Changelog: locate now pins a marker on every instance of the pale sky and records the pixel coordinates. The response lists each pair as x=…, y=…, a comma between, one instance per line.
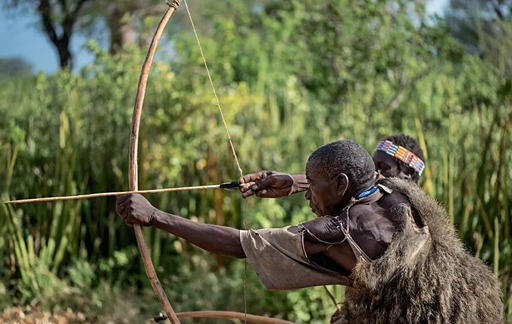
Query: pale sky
x=19, y=37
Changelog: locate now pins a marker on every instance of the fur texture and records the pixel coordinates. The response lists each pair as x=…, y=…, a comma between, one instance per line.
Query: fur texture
x=425, y=276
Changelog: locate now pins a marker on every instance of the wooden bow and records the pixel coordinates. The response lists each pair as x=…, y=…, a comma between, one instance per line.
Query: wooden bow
x=133, y=184
x=133, y=170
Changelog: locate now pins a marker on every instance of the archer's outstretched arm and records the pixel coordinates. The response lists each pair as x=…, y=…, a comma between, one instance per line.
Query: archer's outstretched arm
x=223, y=240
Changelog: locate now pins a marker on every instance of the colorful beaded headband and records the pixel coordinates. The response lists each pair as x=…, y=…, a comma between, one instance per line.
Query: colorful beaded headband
x=403, y=154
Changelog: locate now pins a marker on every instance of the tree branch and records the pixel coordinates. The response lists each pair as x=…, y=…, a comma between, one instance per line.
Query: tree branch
x=46, y=18
x=71, y=18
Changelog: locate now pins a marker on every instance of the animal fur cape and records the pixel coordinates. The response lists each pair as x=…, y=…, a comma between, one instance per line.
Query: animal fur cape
x=425, y=276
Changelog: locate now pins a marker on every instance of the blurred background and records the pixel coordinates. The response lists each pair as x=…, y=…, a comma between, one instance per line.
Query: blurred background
x=291, y=75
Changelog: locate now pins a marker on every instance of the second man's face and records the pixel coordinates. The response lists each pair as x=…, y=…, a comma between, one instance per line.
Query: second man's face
x=386, y=165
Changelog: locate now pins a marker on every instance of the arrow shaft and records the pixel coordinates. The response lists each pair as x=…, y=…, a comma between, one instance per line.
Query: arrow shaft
x=109, y=194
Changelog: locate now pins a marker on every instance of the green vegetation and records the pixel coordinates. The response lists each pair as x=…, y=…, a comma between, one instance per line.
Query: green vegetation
x=13, y=67
x=291, y=76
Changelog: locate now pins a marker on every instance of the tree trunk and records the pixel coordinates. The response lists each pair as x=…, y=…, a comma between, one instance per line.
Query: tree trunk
x=121, y=29
x=65, y=56
x=60, y=16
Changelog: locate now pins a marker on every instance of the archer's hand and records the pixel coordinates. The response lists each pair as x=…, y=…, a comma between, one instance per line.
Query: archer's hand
x=267, y=184
x=135, y=209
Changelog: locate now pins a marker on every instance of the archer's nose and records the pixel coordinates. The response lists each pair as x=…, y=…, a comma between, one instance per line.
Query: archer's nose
x=307, y=195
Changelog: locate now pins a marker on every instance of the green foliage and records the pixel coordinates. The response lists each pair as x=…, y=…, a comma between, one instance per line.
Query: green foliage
x=484, y=28
x=291, y=76
x=13, y=67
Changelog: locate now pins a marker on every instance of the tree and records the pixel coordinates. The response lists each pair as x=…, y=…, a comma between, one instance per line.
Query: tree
x=61, y=19
x=469, y=20
x=127, y=21
x=58, y=19
x=122, y=21
x=332, y=46
x=484, y=27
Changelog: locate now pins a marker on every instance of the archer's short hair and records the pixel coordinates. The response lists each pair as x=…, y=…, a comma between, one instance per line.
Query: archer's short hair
x=346, y=156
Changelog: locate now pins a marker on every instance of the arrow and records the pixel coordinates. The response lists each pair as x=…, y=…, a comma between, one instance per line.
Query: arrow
x=233, y=185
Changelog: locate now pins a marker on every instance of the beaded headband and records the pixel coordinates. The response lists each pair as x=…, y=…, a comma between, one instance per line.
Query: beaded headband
x=402, y=154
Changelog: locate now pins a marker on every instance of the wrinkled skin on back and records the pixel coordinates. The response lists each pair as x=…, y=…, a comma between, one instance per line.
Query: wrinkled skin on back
x=425, y=276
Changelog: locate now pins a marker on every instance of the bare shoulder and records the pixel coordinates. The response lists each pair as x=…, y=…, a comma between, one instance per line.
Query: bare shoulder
x=386, y=203
x=386, y=209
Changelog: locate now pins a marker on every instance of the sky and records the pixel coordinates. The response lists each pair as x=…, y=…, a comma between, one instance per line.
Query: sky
x=20, y=37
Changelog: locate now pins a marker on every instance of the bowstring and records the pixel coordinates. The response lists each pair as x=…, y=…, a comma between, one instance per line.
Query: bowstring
x=229, y=138
x=213, y=89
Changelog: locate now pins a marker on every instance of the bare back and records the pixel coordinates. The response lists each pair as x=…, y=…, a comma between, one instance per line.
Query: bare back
x=370, y=225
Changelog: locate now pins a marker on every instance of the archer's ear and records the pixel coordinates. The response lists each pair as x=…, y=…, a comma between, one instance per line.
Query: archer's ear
x=342, y=183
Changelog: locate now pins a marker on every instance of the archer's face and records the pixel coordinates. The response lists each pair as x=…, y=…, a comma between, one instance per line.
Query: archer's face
x=322, y=193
